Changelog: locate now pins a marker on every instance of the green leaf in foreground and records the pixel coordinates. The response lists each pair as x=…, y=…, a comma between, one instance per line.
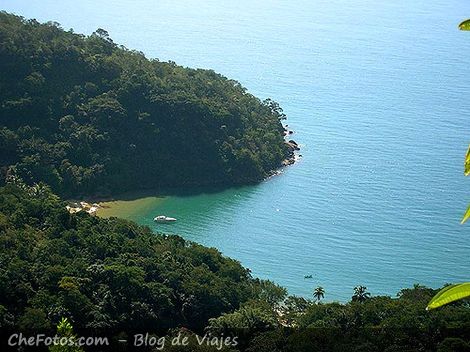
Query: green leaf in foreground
x=467, y=162
x=465, y=25
x=466, y=216
x=449, y=294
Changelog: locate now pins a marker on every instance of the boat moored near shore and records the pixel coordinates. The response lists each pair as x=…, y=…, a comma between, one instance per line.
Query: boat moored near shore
x=164, y=219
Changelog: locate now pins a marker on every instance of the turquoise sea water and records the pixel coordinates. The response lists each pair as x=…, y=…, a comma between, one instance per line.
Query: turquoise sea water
x=378, y=93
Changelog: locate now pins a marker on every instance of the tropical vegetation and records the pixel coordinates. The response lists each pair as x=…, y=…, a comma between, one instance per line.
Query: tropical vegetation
x=115, y=276
x=360, y=294
x=318, y=293
x=88, y=116
x=82, y=115
x=107, y=273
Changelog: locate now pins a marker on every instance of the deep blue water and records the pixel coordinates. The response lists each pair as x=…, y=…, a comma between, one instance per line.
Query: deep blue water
x=378, y=93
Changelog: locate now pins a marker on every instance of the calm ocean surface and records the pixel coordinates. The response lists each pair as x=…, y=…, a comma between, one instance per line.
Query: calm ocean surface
x=378, y=94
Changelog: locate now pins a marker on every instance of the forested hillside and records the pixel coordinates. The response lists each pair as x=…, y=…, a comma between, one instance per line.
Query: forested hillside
x=113, y=275
x=82, y=115
x=106, y=273
x=88, y=116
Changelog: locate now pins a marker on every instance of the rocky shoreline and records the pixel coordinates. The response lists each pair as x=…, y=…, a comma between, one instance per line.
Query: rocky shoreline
x=293, y=156
x=292, y=146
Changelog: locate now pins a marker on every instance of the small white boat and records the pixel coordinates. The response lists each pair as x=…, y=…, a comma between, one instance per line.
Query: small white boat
x=163, y=218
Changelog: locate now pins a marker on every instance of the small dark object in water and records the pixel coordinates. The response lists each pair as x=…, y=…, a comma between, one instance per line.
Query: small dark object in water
x=308, y=276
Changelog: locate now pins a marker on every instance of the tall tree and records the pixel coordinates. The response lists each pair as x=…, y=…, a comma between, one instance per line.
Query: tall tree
x=318, y=293
x=360, y=294
x=65, y=331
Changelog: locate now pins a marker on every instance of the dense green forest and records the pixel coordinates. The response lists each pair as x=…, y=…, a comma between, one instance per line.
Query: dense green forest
x=88, y=116
x=114, y=275
x=106, y=273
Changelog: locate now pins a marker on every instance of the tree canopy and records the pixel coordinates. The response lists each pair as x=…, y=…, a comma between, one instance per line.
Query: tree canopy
x=106, y=273
x=88, y=116
x=115, y=275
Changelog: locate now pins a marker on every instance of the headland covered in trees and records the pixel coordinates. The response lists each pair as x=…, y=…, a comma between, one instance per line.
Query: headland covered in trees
x=90, y=117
